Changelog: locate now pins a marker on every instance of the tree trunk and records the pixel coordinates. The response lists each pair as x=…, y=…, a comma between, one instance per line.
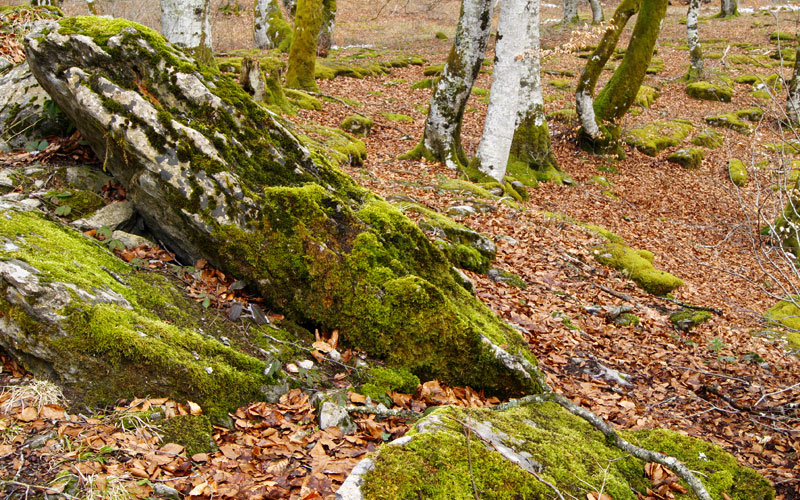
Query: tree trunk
x=93, y=9
x=251, y=79
x=729, y=8
x=584, y=92
x=501, y=116
x=531, y=157
x=597, y=11
x=185, y=23
x=620, y=92
x=793, y=101
x=53, y=3
x=441, y=140
x=695, y=52
x=325, y=38
x=570, y=12
x=303, y=52
x=291, y=8
x=271, y=30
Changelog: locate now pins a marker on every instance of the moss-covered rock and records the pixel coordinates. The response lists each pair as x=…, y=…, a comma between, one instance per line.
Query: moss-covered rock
x=638, y=266
x=708, y=138
x=751, y=114
x=737, y=171
x=357, y=125
x=709, y=91
x=657, y=136
x=627, y=319
x=382, y=380
x=688, y=319
x=785, y=313
x=397, y=117
x=687, y=157
x=193, y=432
x=435, y=461
x=782, y=36
x=434, y=70
x=75, y=203
x=333, y=67
x=788, y=54
x=217, y=176
x=731, y=121
x=303, y=100
x=561, y=83
x=646, y=96
x=425, y=83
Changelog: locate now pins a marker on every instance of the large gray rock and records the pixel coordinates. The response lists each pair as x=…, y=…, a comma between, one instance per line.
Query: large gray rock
x=73, y=313
x=26, y=111
x=215, y=175
x=117, y=215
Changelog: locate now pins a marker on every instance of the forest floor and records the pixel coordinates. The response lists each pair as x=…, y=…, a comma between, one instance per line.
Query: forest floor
x=732, y=380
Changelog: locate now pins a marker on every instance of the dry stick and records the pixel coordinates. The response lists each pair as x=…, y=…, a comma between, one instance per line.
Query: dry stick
x=382, y=412
x=35, y=487
x=348, y=106
x=776, y=392
x=714, y=310
x=712, y=374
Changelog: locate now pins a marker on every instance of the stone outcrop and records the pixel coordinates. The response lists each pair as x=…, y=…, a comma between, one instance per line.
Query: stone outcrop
x=215, y=175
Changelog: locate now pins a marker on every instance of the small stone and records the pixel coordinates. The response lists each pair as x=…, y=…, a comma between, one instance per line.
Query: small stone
x=335, y=355
x=460, y=211
x=131, y=240
x=88, y=178
x=292, y=368
x=225, y=340
x=258, y=315
x=38, y=183
x=4, y=147
x=113, y=216
x=31, y=203
x=164, y=491
x=209, y=370
x=31, y=171
x=508, y=239
x=333, y=415
x=5, y=65
x=6, y=180
x=306, y=364
x=235, y=311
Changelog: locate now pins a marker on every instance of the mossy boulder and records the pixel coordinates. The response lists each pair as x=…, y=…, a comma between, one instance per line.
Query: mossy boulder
x=785, y=313
x=73, y=313
x=687, y=157
x=708, y=91
x=382, y=380
x=425, y=83
x=528, y=450
x=638, y=266
x=731, y=121
x=357, y=125
x=217, y=176
x=397, y=117
x=737, y=171
x=708, y=138
x=561, y=83
x=657, y=136
x=646, y=96
x=330, y=68
x=433, y=70
x=303, y=100
x=688, y=319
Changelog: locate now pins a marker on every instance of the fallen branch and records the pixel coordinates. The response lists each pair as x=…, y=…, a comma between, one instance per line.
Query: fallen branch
x=382, y=412
x=27, y=486
x=714, y=310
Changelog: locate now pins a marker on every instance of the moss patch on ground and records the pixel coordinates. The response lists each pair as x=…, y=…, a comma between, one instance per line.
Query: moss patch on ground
x=730, y=121
x=638, y=266
x=688, y=319
x=708, y=138
x=657, y=136
x=687, y=157
x=383, y=380
x=786, y=313
x=708, y=91
x=193, y=432
x=737, y=172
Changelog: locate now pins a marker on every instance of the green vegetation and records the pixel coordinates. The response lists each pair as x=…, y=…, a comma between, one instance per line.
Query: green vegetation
x=383, y=380
x=193, y=432
x=687, y=157
x=737, y=172
x=638, y=266
x=657, y=136
x=646, y=96
x=708, y=138
x=397, y=117
x=708, y=91
x=688, y=319
x=357, y=125
x=786, y=314
x=731, y=121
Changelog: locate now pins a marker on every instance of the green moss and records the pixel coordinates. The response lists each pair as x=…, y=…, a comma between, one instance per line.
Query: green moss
x=751, y=114
x=303, y=50
x=737, y=172
x=331, y=68
x=627, y=319
x=788, y=54
x=657, y=136
x=687, y=157
x=397, y=117
x=783, y=36
x=303, y=100
x=785, y=313
x=708, y=91
x=383, y=380
x=688, y=319
x=731, y=121
x=646, y=96
x=425, y=83
x=441, y=35
x=761, y=94
x=437, y=464
x=637, y=268
x=563, y=115
x=479, y=91
x=193, y=432
x=434, y=69
x=561, y=83
x=509, y=278
x=81, y=203
x=656, y=66
x=708, y=138
x=357, y=125
x=467, y=187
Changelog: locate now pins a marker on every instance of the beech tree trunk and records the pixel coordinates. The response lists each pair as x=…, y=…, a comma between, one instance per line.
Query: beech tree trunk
x=597, y=11
x=501, y=117
x=186, y=24
x=54, y=3
x=695, y=52
x=325, y=37
x=270, y=28
x=531, y=157
x=92, y=4
x=793, y=101
x=570, y=12
x=584, y=92
x=441, y=140
x=729, y=8
x=303, y=52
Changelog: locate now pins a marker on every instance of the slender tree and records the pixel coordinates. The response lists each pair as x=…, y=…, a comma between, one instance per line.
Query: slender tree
x=52, y=3
x=695, y=52
x=302, y=53
x=729, y=8
x=570, y=12
x=793, y=101
x=620, y=92
x=597, y=11
x=441, y=140
x=270, y=28
x=93, y=9
x=325, y=37
x=186, y=24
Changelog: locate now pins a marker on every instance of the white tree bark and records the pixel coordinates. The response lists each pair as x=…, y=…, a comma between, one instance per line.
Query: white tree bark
x=186, y=24
x=729, y=8
x=570, y=11
x=92, y=4
x=531, y=101
x=597, y=11
x=793, y=101
x=441, y=139
x=695, y=52
x=501, y=118
x=264, y=10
